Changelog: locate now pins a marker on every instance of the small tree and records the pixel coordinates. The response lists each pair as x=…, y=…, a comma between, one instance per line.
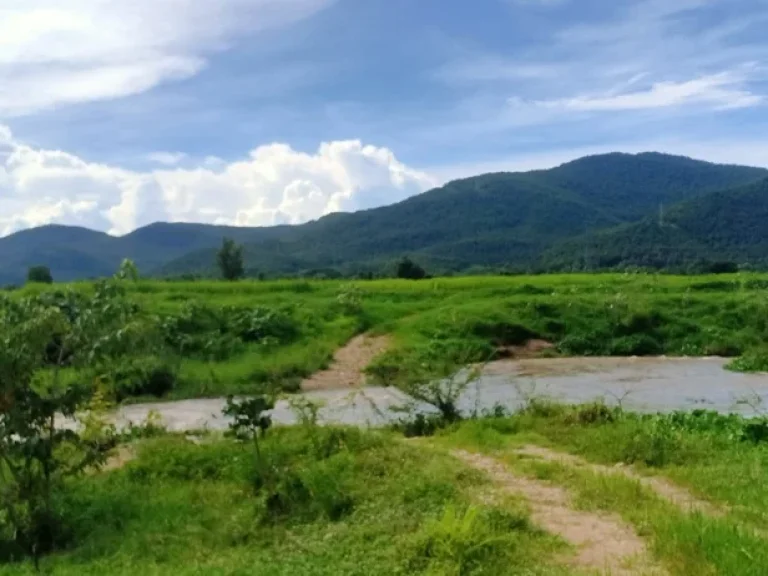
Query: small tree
x=128, y=271
x=409, y=270
x=230, y=260
x=39, y=336
x=40, y=275
x=249, y=420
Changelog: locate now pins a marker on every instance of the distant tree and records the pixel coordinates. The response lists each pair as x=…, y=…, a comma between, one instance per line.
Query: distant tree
x=723, y=268
x=409, y=270
x=40, y=274
x=128, y=271
x=230, y=260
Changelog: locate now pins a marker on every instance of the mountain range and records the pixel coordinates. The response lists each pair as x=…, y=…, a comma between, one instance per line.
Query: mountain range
x=607, y=211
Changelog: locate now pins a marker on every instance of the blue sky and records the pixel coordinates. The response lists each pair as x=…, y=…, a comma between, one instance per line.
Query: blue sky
x=258, y=112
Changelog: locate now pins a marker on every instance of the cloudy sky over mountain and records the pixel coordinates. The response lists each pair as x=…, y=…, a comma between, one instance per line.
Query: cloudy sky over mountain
x=115, y=114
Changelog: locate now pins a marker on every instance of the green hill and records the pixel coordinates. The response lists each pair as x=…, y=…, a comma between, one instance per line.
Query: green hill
x=728, y=225
x=493, y=220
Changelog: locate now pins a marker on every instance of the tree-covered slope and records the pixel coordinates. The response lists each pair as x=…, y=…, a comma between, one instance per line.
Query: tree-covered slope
x=503, y=219
x=728, y=225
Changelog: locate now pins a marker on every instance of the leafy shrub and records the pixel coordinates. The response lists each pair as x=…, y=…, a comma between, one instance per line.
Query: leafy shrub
x=593, y=413
x=635, y=345
x=501, y=333
x=305, y=473
x=259, y=324
x=307, y=493
x=755, y=360
x=220, y=333
x=584, y=344
x=147, y=376
x=463, y=541
x=655, y=444
x=421, y=425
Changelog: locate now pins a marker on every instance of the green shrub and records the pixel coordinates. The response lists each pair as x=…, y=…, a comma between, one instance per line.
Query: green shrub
x=635, y=345
x=593, y=413
x=306, y=473
x=468, y=541
x=147, y=376
x=656, y=443
x=755, y=360
x=259, y=324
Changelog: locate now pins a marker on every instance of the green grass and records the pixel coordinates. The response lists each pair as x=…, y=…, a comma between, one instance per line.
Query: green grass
x=324, y=502
x=699, y=452
x=468, y=318
x=327, y=501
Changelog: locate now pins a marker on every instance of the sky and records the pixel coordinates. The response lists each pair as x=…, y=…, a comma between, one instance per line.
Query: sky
x=117, y=114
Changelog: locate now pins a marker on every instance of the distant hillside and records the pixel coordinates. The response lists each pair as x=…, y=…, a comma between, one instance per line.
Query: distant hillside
x=506, y=219
x=493, y=220
x=728, y=225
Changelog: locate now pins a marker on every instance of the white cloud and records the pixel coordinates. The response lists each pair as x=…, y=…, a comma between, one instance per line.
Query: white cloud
x=274, y=184
x=679, y=58
x=724, y=91
x=166, y=158
x=55, y=52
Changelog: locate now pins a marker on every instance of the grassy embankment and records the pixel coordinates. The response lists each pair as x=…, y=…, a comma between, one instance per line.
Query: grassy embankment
x=341, y=501
x=210, y=351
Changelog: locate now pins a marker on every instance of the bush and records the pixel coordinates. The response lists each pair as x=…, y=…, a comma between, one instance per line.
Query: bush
x=500, y=333
x=594, y=413
x=148, y=376
x=306, y=473
x=463, y=541
x=407, y=269
x=259, y=324
x=656, y=443
x=39, y=275
x=635, y=345
x=755, y=360
x=220, y=333
x=421, y=425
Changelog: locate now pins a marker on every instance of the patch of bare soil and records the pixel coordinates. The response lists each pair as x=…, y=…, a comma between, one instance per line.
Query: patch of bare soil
x=122, y=455
x=671, y=492
x=531, y=349
x=346, y=369
x=603, y=542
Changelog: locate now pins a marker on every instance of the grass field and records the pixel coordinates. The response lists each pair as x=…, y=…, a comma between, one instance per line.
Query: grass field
x=461, y=319
x=329, y=501
x=549, y=490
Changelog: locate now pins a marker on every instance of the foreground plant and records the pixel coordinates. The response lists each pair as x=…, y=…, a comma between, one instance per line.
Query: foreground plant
x=250, y=419
x=41, y=444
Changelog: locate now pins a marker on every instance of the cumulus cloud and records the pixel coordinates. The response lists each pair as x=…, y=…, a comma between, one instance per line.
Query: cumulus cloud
x=56, y=52
x=275, y=184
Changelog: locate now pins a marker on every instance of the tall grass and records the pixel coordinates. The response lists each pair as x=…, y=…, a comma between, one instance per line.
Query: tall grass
x=602, y=314
x=325, y=502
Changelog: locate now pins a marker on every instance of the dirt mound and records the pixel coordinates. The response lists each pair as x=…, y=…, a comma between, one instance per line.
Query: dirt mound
x=346, y=369
x=603, y=542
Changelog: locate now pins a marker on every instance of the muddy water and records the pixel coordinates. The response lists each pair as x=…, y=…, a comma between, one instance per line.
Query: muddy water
x=643, y=384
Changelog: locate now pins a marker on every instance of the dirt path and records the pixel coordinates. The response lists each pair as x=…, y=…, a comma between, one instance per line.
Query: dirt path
x=603, y=542
x=346, y=370
x=671, y=492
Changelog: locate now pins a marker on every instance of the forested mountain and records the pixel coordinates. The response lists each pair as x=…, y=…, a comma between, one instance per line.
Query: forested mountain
x=729, y=225
x=607, y=204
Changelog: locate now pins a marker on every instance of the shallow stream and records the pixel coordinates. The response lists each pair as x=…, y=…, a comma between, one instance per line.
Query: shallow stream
x=640, y=384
